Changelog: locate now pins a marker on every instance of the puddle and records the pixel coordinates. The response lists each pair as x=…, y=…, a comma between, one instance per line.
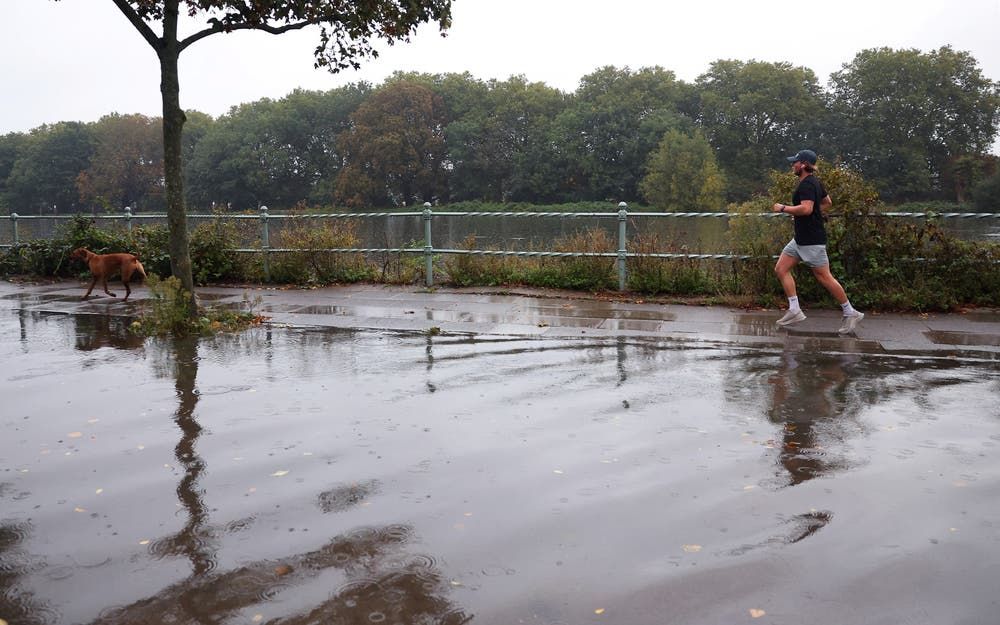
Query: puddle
x=983, y=317
x=319, y=475
x=754, y=325
x=211, y=297
x=632, y=324
x=28, y=299
x=942, y=337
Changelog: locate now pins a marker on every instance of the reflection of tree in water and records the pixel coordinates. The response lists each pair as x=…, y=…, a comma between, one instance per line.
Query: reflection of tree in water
x=196, y=540
x=16, y=605
x=384, y=585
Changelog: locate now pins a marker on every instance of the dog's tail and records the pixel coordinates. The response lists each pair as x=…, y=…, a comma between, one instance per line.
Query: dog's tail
x=139, y=269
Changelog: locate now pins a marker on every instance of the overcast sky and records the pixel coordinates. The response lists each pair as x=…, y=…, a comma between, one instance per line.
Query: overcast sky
x=80, y=59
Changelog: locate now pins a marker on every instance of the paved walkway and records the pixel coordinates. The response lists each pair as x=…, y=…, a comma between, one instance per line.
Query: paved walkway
x=544, y=313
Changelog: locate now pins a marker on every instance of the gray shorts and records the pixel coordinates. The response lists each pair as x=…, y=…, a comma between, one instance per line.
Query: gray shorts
x=812, y=255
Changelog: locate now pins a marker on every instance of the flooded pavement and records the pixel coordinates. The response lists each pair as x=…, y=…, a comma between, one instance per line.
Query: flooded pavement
x=551, y=474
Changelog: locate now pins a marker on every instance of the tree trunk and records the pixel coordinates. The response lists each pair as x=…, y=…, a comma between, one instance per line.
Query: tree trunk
x=173, y=125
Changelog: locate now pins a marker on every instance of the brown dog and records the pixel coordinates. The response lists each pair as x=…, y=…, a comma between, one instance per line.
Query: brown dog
x=103, y=266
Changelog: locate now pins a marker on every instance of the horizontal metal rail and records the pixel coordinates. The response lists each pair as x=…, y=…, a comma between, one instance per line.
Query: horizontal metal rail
x=688, y=215
x=429, y=251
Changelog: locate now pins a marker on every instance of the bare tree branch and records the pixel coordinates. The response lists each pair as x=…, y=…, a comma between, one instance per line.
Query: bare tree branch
x=141, y=26
x=218, y=27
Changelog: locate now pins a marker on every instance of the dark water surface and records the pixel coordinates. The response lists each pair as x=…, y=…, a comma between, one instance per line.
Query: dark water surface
x=313, y=476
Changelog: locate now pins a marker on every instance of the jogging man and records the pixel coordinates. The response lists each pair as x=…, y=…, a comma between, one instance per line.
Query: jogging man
x=809, y=244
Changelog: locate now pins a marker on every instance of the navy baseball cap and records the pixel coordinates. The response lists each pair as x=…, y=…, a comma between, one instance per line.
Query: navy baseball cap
x=804, y=155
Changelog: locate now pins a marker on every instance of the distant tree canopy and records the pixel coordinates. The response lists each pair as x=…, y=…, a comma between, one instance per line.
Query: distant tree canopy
x=919, y=125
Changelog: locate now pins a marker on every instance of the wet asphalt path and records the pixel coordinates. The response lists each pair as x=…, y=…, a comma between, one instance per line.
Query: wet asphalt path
x=552, y=314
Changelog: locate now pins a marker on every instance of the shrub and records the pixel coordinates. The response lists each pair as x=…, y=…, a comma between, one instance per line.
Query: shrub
x=168, y=313
x=986, y=194
x=479, y=269
x=585, y=273
x=212, y=259
x=681, y=276
x=309, y=264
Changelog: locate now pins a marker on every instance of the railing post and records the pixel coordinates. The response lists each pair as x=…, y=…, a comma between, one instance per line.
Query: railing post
x=428, y=246
x=265, y=237
x=622, y=220
x=128, y=220
x=13, y=220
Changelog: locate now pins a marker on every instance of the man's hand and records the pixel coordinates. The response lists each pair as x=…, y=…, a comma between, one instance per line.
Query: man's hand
x=779, y=208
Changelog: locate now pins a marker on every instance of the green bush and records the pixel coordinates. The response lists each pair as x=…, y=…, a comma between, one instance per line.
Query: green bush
x=50, y=257
x=582, y=273
x=882, y=262
x=168, y=313
x=211, y=257
x=986, y=195
x=480, y=269
x=309, y=264
x=676, y=276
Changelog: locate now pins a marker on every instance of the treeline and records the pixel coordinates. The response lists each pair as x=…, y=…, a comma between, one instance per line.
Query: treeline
x=918, y=125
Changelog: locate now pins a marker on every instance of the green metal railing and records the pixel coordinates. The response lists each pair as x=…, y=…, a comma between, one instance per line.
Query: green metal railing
x=429, y=251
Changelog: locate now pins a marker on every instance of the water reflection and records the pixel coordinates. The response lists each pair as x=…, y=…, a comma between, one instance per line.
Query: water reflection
x=369, y=575
x=17, y=604
x=383, y=584
x=809, y=403
x=97, y=331
x=196, y=540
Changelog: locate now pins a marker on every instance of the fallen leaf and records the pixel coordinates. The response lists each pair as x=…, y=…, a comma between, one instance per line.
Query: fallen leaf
x=258, y=618
x=144, y=542
x=93, y=420
x=141, y=447
x=755, y=613
x=79, y=509
x=749, y=487
x=98, y=491
x=282, y=569
x=279, y=473
x=692, y=548
x=455, y=582
x=75, y=434
x=599, y=611
x=557, y=471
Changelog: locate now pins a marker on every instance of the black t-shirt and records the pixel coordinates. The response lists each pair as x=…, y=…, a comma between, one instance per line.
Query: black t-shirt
x=809, y=229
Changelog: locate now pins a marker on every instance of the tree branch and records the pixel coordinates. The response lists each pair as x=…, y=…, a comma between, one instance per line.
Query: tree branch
x=218, y=27
x=141, y=26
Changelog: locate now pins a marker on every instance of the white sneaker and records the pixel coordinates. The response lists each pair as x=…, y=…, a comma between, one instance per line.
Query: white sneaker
x=850, y=323
x=792, y=316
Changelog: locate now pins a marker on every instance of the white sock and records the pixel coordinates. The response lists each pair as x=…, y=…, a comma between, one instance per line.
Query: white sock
x=793, y=304
x=848, y=309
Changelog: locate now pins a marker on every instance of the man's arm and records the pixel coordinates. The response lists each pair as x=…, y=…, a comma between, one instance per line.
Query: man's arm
x=799, y=210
